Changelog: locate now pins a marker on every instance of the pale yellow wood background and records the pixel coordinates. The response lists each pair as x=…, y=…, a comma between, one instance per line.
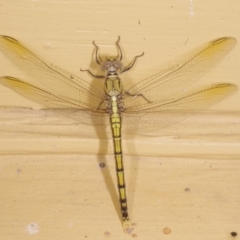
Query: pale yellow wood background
x=185, y=179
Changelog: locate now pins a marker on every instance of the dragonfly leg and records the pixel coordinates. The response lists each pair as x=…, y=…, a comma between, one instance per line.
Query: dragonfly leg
x=96, y=76
x=98, y=59
x=137, y=95
x=119, y=49
x=108, y=104
x=100, y=104
x=132, y=63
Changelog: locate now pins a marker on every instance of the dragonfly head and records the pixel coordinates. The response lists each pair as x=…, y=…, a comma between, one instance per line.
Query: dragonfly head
x=111, y=66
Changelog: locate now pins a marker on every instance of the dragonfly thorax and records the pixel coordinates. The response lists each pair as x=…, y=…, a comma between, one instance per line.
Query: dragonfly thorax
x=112, y=66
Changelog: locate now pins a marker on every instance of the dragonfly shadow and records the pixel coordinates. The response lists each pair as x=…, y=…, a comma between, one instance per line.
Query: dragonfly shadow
x=106, y=173
x=102, y=133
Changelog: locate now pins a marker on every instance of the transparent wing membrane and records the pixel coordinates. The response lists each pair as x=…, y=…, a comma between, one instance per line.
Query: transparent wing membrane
x=190, y=68
x=165, y=105
x=163, y=115
x=52, y=79
x=61, y=105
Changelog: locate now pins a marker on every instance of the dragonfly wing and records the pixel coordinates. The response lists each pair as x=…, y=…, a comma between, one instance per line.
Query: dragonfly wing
x=175, y=79
x=61, y=105
x=157, y=116
x=52, y=79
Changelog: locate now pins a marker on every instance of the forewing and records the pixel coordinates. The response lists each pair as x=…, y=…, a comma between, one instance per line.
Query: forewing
x=53, y=79
x=165, y=84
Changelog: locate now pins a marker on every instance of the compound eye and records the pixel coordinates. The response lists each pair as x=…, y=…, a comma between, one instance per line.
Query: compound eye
x=105, y=65
x=117, y=64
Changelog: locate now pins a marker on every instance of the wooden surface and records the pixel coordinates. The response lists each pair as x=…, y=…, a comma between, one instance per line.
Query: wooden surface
x=182, y=183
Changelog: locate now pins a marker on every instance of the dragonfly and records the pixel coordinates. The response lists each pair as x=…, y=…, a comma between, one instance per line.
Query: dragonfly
x=151, y=104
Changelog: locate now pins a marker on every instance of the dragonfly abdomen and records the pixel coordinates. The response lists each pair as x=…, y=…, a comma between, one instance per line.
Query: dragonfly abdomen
x=116, y=125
